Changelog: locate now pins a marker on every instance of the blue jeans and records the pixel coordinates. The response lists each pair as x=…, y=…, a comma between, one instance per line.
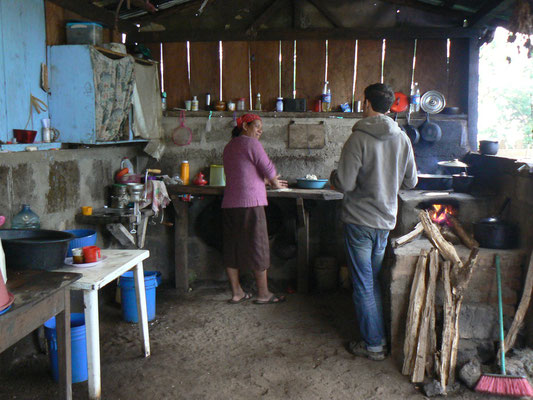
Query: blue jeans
x=365, y=248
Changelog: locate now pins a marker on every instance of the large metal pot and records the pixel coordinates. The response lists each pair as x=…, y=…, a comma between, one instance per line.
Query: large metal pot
x=493, y=233
x=462, y=183
x=488, y=147
x=35, y=248
x=434, y=182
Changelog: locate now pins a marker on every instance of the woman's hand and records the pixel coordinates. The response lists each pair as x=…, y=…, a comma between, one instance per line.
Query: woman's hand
x=277, y=183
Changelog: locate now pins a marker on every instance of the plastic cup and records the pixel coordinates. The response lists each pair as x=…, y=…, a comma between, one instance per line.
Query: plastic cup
x=91, y=254
x=87, y=210
x=77, y=255
x=188, y=104
x=45, y=122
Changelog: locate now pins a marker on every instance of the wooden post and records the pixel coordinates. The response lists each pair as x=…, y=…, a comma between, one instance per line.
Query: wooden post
x=64, y=352
x=181, y=248
x=303, y=246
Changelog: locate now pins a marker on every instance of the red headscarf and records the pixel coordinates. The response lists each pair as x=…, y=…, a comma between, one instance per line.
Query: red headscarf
x=247, y=118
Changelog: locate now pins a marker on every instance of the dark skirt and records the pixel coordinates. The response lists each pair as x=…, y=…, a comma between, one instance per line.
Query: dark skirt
x=246, y=238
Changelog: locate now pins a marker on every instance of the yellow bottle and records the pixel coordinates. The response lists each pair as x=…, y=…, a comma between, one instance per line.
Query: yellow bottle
x=185, y=172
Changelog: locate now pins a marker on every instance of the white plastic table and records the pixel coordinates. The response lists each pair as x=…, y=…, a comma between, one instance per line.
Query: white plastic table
x=95, y=278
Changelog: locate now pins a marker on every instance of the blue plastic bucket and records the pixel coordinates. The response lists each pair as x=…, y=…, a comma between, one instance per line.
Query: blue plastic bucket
x=152, y=279
x=78, y=347
x=84, y=237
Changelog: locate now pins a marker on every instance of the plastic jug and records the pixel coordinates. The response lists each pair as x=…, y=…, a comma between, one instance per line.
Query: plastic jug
x=26, y=219
x=126, y=163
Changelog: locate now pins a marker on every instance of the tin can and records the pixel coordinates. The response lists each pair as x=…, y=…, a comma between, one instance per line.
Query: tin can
x=279, y=104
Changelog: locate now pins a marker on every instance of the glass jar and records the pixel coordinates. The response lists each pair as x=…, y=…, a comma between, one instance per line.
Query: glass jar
x=26, y=219
x=241, y=104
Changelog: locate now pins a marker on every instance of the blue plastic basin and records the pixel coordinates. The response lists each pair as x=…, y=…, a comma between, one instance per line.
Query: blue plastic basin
x=311, y=183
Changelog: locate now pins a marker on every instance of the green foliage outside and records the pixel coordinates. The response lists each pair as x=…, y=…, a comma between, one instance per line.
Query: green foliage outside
x=506, y=93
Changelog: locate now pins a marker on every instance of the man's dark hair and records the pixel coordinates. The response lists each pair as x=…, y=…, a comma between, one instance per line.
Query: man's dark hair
x=380, y=96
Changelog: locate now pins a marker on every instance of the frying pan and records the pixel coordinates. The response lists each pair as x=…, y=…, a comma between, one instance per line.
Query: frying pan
x=410, y=130
x=430, y=131
x=182, y=135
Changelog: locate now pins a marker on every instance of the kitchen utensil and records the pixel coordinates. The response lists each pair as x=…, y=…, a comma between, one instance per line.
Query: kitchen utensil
x=24, y=135
x=493, y=233
x=451, y=110
x=430, y=131
x=35, y=248
x=401, y=102
x=462, y=183
x=311, y=183
x=411, y=130
x=91, y=254
x=182, y=135
x=432, y=102
x=70, y=261
x=453, y=166
x=434, y=182
x=488, y=147
x=50, y=135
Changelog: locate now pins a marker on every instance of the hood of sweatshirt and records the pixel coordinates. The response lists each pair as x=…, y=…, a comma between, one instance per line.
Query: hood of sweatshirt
x=380, y=127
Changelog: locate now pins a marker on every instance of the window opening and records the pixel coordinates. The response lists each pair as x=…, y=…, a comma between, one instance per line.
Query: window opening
x=189, y=62
x=354, y=73
x=383, y=46
x=294, y=73
x=220, y=58
x=161, y=67
x=279, y=69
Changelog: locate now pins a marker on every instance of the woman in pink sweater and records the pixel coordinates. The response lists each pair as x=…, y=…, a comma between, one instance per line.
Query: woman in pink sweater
x=247, y=169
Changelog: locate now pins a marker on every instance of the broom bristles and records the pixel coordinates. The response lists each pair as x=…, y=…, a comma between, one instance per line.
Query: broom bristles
x=504, y=385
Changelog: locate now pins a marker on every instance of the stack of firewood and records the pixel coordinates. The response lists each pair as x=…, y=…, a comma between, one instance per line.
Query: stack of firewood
x=424, y=355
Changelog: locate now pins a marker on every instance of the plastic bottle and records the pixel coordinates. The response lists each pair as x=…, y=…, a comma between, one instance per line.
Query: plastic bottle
x=326, y=101
x=185, y=172
x=258, y=102
x=126, y=163
x=164, y=101
x=208, y=101
x=194, y=104
x=279, y=104
x=415, y=98
x=26, y=219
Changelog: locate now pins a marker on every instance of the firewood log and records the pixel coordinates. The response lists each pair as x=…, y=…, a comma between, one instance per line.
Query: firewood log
x=467, y=239
x=416, y=302
x=446, y=249
x=418, y=229
x=448, y=326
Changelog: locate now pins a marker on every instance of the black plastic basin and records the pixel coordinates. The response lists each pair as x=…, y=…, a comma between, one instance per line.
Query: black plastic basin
x=34, y=248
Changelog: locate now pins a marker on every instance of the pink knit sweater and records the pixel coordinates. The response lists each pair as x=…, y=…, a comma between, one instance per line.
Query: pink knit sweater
x=246, y=164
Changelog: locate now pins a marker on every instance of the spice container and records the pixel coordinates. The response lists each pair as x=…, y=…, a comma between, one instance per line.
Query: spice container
x=185, y=172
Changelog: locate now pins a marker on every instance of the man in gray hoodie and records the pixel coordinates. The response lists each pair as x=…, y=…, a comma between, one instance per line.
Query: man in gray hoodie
x=376, y=161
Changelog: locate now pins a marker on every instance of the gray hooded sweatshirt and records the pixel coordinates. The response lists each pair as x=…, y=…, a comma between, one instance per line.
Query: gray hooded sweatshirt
x=376, y=161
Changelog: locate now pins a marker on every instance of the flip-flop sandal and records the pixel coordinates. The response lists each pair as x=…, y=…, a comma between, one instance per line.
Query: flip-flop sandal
x=273, y=300
x=247, y=296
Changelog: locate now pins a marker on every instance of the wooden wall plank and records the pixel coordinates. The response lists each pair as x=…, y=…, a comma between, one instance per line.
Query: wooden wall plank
x=398, y=67
x=287, y=68
x=155, y=51
x=204, y=71
x=264, y=58
x=458, y=75
x=235, y=82
x=368, y=65
x=430, y=68
x=55, y=24
x=175, y=74
x=310, y=69
x=341, y=59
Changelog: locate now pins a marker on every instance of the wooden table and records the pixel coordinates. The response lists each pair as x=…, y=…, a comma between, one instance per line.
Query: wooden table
x=181, y=231
x=39, y=296
x=93, y=279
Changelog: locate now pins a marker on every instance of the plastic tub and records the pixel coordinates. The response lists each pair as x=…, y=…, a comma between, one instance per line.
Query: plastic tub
x=84, y=237
x=78, y=347
x=84, y=33
x=152, y=279
x=217, y=176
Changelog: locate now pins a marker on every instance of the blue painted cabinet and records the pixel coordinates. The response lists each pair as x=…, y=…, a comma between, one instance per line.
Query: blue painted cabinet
x=72, y=94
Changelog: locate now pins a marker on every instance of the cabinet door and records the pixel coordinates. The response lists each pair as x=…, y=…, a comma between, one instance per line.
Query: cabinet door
x=72, y=93
x=22, y=50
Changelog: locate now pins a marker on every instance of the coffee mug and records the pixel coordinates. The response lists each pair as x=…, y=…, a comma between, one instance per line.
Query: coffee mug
x=87, y=210
x=91, y=254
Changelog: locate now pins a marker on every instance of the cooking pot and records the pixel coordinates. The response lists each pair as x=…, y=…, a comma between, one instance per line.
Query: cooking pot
x=453, y=166
x=493, y=233
x=434, y=182
x=462, y=183
x=489, y=147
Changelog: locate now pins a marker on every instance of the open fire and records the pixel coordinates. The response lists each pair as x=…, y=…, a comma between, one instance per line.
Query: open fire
x=440, y=213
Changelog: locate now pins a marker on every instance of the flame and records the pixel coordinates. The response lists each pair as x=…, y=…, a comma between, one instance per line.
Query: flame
x=440, y=212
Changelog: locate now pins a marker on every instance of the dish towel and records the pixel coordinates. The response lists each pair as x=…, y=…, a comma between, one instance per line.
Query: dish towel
x=156, y=195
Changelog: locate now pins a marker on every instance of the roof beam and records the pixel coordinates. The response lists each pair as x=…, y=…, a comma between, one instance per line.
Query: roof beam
x=95, y=13
x=325, y=12
x=301, y=34
x=264, y=16
x=430, y=8
x=177, y=9
x=488, y=12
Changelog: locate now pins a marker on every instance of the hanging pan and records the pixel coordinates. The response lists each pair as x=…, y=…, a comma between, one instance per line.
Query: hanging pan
x=182, y=135
x=432, y=102
x=411, y=130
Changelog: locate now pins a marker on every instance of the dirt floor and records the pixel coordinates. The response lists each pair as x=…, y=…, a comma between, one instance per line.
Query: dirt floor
x=204, y=348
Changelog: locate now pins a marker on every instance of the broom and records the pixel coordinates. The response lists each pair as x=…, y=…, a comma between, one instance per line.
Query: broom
x=505, y=385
